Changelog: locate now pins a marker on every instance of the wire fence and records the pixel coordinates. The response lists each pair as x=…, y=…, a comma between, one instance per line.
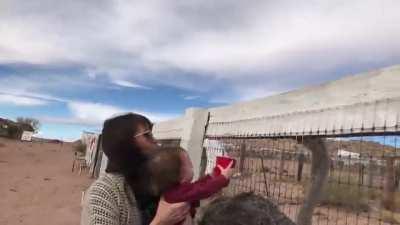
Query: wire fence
x=362, y=186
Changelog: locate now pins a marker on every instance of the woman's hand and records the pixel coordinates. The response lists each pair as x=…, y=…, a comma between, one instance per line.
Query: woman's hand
x=188, y=220
x=170, y=214
x=228, y=171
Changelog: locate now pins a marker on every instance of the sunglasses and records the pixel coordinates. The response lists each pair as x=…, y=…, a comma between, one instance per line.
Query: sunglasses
x=146, y=133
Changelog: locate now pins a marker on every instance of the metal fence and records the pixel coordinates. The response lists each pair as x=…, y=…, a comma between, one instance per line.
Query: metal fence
x=362, y=186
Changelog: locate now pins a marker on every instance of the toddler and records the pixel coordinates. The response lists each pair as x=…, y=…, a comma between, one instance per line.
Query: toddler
x=171, y=174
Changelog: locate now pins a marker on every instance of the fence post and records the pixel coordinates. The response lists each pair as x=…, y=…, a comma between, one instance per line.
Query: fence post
x=242, y=157
x=389, y=185
x=193, y=135
x=203, y=162
x=319, y=175
x=300, y=165
x=371, y=170
x=281, y=162
x=397, y=175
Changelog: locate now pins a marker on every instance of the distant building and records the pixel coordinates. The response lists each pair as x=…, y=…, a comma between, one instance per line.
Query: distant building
x=347, y=154
x=26, y=136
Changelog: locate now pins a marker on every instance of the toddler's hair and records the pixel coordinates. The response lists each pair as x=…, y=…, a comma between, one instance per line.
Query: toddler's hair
x=164, y=167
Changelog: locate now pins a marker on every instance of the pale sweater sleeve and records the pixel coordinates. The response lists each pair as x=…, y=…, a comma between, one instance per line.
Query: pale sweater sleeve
x=100, y=207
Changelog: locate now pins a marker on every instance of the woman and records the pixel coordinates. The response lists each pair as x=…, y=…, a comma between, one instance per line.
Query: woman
x=116, y=198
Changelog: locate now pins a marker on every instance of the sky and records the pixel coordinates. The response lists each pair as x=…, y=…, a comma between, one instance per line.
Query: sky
x=72, y=64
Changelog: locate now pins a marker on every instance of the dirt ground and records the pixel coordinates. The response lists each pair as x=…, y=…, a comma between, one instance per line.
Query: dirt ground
x=37, y=185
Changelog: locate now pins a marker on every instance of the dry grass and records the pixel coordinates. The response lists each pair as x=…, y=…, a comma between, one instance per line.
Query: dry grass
x=80, y=148
x=346, y=196
x=390, y=217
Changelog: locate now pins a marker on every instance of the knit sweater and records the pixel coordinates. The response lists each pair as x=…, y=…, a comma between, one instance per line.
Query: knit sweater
x=110, y=201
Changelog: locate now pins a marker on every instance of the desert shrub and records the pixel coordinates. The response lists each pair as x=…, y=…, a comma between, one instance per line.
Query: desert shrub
x=374, y=194
x=14, y=131
x=397, y=202
x=347, y=196
x=390, y=217
x=29, y=124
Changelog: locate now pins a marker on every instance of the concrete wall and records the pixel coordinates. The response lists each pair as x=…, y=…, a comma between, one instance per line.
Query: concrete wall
x=364, y=103
x=171, y=129
x=373, y=117
x=362, y=88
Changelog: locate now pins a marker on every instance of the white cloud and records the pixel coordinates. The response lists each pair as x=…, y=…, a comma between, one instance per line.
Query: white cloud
x=191, y=97
x=39, y=86
x=46, y=98
x=241, y=50
x=124, y=83
x=286, y=34
x=222, y=99
x=20, y=100
x=243, y=93
x=213, y=41
x=94, y=114
x=254, y=93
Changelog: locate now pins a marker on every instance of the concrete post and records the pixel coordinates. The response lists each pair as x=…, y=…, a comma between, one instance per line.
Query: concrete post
x=371, y=172
x=193, y=134
x=300, y=165
x=319, y=177
x=397, y=175
x=242, y=157
x=104, y=161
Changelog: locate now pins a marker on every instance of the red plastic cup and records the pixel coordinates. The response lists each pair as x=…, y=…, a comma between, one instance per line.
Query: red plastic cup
x=223, y=161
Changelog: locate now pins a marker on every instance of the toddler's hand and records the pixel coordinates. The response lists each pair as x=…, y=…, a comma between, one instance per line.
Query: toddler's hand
x=228, y=171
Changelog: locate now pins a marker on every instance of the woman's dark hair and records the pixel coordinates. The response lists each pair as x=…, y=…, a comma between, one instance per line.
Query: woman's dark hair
x=125, y=157
x=118, y=144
